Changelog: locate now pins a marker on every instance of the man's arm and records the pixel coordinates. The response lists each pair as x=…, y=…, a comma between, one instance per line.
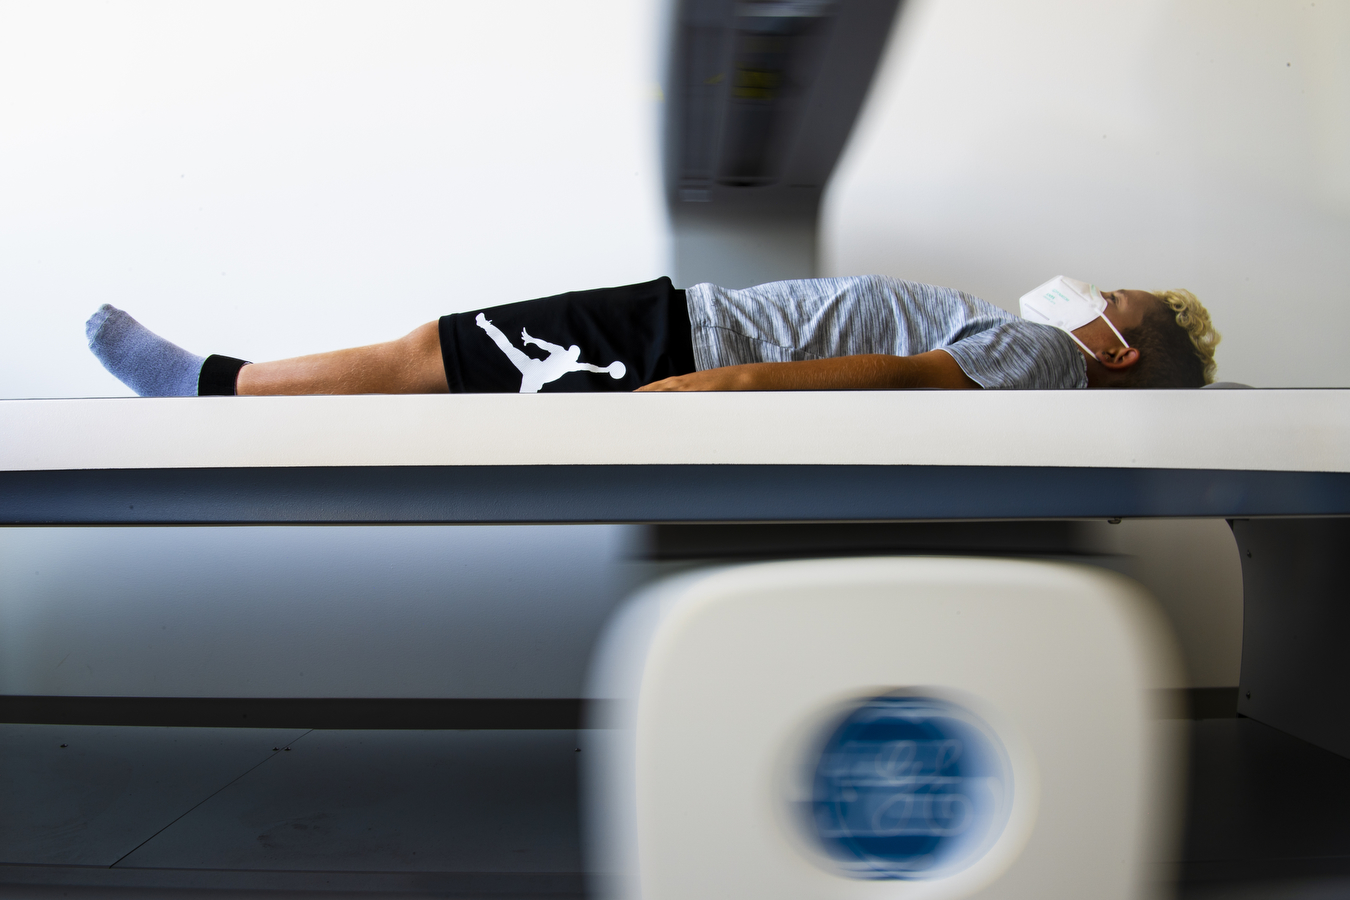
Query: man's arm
x=873, y=372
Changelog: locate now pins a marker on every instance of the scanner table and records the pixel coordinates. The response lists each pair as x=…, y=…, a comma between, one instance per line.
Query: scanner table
x=747, y=699
x=768, y=457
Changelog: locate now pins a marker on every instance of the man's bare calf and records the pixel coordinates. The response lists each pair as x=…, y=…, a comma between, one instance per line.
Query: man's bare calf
x=410, y=365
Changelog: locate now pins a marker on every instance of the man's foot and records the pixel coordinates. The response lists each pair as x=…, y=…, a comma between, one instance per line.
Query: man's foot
x=141, y=359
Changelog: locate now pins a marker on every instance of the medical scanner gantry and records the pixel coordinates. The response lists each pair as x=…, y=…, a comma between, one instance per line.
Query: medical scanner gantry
x=974, y=720
x=760, y=99
x=885, y=727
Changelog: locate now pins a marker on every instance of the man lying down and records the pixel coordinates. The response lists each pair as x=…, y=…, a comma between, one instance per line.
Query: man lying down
x=867, y=333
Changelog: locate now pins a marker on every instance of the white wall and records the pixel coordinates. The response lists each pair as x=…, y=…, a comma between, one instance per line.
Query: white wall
x=1133, y=143
x=267, y=179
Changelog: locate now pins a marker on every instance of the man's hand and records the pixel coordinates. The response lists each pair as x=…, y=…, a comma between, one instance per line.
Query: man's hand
x=874, y=372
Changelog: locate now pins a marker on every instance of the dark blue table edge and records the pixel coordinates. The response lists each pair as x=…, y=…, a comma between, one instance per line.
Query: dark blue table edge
x=654, y=493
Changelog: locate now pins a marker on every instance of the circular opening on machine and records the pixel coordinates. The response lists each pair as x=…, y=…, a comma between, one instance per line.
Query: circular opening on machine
x=910, y=788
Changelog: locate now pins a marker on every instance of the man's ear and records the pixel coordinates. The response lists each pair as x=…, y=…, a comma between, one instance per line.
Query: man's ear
x=1118, y=358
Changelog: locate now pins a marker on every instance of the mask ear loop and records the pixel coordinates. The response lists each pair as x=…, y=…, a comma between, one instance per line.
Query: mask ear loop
x=1088, y=351
x=1112, y=325
x=1073, y=337
x=1109, y=324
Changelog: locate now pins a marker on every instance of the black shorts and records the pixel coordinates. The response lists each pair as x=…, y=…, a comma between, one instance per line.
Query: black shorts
x=612, y=339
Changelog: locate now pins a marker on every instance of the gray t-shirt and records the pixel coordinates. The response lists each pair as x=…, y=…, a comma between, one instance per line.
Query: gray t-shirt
x=829, y=317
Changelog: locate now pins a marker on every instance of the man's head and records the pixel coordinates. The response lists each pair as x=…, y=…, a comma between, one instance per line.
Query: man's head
x=1170, y=335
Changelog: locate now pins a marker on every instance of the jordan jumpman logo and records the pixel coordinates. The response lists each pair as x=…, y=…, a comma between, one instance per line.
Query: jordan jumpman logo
x=535, y=373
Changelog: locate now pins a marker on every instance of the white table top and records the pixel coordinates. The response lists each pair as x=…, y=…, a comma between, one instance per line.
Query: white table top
x=1270, y=430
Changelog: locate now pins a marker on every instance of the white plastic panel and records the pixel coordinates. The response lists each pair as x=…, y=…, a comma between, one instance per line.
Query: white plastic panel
x=725, y=685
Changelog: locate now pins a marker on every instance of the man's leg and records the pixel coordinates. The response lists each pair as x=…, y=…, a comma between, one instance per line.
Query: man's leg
x=409, y=365
x=154, y=367
x=645, y=325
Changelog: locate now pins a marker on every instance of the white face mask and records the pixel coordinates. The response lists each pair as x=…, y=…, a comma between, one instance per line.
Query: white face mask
x=1067, y=304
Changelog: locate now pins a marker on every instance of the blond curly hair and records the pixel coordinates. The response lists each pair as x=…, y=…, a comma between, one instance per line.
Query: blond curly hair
x=1194, y=319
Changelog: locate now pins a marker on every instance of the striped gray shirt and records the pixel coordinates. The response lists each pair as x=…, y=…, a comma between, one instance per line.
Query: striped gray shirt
x=828, y=317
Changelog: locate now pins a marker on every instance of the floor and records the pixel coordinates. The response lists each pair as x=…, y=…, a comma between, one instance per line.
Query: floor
x=121, y=812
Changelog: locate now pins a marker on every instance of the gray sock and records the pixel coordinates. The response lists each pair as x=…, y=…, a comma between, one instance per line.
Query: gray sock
x=141, y=359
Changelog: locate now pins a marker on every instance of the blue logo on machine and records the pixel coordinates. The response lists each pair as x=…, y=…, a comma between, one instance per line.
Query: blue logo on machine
x=909, y=788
